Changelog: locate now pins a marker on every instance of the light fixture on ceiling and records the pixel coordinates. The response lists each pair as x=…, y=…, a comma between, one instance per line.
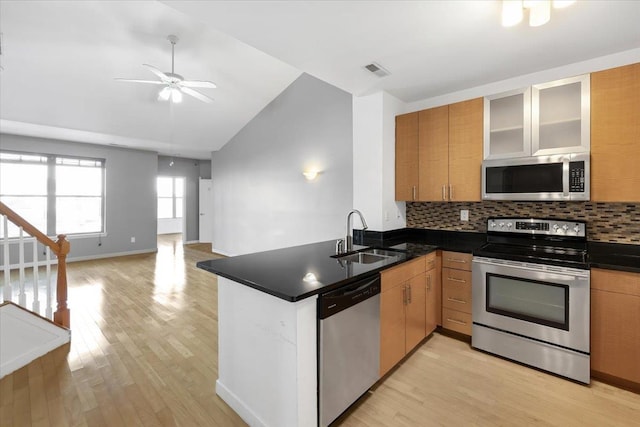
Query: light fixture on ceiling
x=170, y=92
x=539, y=11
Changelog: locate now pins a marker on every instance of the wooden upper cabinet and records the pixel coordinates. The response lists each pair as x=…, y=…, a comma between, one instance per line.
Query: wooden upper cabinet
x=433, y=153
x=615, y=134
x=465, y=150
x=407, y=157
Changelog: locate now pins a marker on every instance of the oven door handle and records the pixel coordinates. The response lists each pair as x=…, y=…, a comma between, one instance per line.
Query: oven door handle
x=574, y=272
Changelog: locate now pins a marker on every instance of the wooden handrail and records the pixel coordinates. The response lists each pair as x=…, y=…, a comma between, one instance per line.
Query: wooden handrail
x=61, y=248
x=26, y=226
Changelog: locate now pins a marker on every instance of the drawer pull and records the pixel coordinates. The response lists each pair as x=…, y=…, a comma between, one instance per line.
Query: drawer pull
x=463, y=261
x=453, y=279
x=456, y=321
x=461, y=301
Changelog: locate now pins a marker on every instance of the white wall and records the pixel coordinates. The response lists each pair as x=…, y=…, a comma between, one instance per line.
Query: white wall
x=261, y=200
x=374, y=161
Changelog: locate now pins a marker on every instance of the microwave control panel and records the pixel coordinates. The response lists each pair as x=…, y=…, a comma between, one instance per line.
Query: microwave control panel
x=576, y=177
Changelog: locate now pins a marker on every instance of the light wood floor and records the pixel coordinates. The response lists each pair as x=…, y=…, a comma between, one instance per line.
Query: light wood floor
x=144, y=353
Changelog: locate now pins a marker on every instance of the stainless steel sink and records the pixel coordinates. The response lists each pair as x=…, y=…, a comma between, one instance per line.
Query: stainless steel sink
x=368, y=256
x=363, y=258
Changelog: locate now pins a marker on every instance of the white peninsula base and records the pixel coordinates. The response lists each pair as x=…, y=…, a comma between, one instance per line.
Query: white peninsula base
x=267, y=356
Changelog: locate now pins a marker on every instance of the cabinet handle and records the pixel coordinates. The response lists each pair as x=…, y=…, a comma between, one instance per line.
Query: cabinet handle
x=450, y=192
x=456, y=321
x=413, y=194
x=404, y=295
x=463, y=261
x=409, y=294
x=453, y=279
x=444, y=192
x=461, y=301
x=428, y=283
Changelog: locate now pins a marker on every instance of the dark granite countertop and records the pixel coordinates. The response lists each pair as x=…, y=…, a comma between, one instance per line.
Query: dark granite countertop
x=614, y=256
x=282, y=272
x=285, y=273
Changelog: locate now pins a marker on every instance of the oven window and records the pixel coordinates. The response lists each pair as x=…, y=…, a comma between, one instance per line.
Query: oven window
x=538, y=302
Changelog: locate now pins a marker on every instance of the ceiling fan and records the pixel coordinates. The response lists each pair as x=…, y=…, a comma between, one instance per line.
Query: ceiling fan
x=174, y=84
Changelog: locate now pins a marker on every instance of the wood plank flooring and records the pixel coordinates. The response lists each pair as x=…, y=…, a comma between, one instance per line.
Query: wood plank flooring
x=144, y=353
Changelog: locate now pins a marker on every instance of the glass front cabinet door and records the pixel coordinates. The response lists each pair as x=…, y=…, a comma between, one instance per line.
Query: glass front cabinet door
x=560, y=116
x=545, y=119
x=507, y=124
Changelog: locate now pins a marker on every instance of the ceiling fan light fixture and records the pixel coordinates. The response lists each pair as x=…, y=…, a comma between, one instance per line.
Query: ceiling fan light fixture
x=176, y=95
x=164, y=94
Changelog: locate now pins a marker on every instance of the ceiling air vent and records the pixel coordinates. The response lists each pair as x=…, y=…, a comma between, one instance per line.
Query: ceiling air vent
x=377, y=69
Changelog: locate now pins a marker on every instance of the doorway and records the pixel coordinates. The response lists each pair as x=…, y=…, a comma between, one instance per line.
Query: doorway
x=171, y=205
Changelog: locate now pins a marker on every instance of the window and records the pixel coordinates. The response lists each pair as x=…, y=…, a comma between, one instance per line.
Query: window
x=58, y=195
x=170, y=196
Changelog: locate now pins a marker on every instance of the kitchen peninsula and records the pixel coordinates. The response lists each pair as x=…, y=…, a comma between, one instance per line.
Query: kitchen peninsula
x=267, y=327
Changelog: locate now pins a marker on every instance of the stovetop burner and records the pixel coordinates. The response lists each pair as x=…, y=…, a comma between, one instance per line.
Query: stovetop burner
x=535, y=240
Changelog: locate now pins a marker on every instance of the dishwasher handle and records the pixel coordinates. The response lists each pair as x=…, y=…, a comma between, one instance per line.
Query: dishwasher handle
x=349, y=295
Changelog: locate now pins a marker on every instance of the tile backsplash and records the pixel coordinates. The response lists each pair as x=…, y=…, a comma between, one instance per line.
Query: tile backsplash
x=606, y=222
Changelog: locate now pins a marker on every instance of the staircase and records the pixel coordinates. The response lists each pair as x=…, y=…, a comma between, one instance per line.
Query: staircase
x=29, y=328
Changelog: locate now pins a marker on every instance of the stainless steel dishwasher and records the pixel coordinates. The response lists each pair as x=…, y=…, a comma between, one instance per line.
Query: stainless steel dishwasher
x=349, y=346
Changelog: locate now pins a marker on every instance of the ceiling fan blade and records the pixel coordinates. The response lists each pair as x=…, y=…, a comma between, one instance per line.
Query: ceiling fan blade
x=196, y=95
x=198, y=83
x=153, y=82
x=158, y=73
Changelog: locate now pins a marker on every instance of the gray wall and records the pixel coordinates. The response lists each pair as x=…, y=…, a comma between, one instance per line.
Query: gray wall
x=191, y=170
x=130, y=194
x=261, y=199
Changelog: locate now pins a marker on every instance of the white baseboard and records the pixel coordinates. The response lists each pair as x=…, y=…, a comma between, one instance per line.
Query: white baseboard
x=24, y=337
x=218, y=251
x=190, y=242
x=111, y=255
x=237, y=405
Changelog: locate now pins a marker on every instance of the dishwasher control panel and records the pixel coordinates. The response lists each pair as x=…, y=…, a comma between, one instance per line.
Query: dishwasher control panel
x=347, y=296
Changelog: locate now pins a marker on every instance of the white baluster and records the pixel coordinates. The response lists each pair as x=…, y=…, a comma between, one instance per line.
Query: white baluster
x=49, y=311
x=7, y=260
x=36, y=264
x=22, y=297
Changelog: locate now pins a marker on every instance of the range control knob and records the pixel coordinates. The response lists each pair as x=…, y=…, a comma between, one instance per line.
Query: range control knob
x=502, y=225
x=555, y=227
x=565, y=227
x=509, y=225
x=492, y=224
x=576, y=229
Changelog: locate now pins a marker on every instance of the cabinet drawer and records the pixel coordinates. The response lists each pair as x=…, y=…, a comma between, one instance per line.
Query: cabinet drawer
x=456, y=321
x=456, y=279
x=622, y=282
x=456, y=260
x=457, y=298
x=401, y=273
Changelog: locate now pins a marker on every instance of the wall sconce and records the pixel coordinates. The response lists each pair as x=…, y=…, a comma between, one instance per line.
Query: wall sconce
x=311, y=174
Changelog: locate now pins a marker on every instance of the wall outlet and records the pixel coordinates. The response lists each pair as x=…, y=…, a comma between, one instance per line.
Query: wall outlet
x=133, y=240
x=464, y=215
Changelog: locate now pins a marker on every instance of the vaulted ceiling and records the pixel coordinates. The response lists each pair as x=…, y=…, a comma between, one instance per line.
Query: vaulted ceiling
x=60, y=58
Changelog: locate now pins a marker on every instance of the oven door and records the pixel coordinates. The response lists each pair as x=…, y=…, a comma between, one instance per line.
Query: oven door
x=546, y=303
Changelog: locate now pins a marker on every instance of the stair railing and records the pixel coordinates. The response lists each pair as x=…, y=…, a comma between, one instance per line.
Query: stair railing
x=60, y=248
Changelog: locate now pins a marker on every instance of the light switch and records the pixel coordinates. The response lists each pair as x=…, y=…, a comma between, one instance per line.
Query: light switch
x=464, y=215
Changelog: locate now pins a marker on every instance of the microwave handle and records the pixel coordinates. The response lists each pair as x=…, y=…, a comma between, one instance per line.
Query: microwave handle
x=565, y=176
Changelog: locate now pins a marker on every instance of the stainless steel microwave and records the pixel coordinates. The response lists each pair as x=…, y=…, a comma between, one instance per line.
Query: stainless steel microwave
x=555, y=177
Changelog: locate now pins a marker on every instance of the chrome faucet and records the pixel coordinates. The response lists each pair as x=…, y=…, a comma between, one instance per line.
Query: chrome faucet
x=349, y=238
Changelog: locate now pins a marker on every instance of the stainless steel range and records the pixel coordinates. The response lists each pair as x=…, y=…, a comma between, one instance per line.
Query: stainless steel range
x=531, y=294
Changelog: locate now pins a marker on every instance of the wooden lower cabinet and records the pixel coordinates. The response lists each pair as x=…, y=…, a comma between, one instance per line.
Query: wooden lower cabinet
x=402, y=311
x=615, y=326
